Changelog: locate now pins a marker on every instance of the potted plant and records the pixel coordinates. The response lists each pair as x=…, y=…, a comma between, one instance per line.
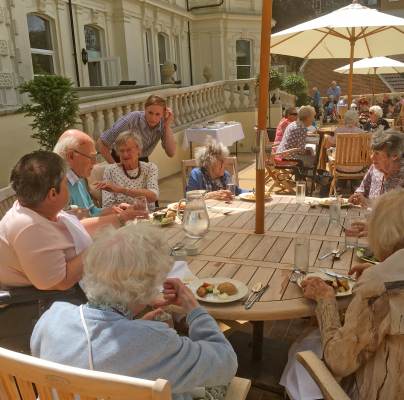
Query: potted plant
x=53, y=107
x=297, y=85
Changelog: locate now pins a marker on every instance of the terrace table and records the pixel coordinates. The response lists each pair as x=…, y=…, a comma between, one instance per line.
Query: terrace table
x=231, y=249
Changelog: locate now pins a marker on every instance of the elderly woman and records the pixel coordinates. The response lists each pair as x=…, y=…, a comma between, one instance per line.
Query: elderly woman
x=123, y=271
x=367, y=350
x=295, y=137
x=130, y=178
x=351, y=125
x=386, y=172
x=211, y=174
x=375, y=120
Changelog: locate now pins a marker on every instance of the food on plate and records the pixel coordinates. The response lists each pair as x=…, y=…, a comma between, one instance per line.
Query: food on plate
x=340, y=285
x=329, y=200
x=222, y=290
x=176, y=206
x=163, y=217
x=227, y=287
x=251, y=196
x=366, y=254
x=170, y=214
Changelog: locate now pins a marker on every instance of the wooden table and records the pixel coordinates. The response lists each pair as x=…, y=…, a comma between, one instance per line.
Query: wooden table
x=231, y=249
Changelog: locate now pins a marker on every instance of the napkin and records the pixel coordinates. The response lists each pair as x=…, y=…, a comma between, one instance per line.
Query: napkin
x=181, y=271
x=81, y=239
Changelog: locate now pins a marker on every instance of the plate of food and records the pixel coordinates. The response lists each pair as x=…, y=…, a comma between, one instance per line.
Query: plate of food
x=329, y=200
x=250, y=196
x=342, y=286
x=218, y=290
x=365, y=254
x=164, y=217
x=174, y=206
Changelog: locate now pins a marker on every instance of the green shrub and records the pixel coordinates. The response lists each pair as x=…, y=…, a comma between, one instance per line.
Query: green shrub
x=275, y=80
x=54, y=107
x=294, y=84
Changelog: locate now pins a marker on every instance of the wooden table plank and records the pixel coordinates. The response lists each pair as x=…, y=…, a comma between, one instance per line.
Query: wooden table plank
x=262, y=248
x=228, y=270
x=248, y=246
x=281, y=222
x=278, y=249
x=217, y=244
x=232, y=245
x=308, y=224
x=294, y=223
x=277, y=285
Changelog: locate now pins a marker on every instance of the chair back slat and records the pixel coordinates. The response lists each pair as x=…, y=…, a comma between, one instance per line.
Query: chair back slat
x=19, y=374
x=7, y=198
x=230, y=164
x=352, y=149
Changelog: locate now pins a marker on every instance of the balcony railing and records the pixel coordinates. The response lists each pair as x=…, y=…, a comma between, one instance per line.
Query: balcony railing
x=190, y=105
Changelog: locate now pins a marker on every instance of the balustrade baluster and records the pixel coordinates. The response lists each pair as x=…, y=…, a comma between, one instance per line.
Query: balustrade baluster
x=251, y=94
x=98, y=124
x=176, y=111
x=109, y=118
x=187, y=109
x=89, y=124
x=232, y=96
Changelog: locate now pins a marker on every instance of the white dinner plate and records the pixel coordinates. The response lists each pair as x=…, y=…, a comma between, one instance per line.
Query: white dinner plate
x=325, y=277
x=250, y=196
x=325, y=202
x=242, y=290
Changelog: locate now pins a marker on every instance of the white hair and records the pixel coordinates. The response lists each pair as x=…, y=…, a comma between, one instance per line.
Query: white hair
x=127, y=265
x=351, y=117
x=306, y=112
x=123, y=137
x=377, y=110
x=66, y=143
x=205, y=156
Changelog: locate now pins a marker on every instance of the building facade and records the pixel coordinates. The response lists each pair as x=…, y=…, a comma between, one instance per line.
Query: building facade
x=104, y=42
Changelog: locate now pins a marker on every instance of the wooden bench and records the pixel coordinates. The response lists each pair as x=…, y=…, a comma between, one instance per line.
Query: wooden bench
x=7, y=198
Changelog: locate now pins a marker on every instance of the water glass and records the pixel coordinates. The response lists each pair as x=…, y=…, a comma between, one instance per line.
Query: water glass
x=351, y=234
x=300, y=192
x=335, y=209
x=231, y=187
x=302, y=251
x=140, y=203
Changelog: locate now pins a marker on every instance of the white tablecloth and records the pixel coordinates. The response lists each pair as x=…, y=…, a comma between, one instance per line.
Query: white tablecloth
x=226, y=134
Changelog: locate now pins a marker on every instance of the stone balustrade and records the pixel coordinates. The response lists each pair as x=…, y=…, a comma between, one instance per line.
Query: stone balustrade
x=190, y=104
x=378, y=97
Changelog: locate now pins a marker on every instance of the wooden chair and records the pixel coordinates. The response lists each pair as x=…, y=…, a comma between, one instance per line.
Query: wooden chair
x=328, y=385
x=7, y=198
x=24, y=377
x=352, y=151
x=230, y=164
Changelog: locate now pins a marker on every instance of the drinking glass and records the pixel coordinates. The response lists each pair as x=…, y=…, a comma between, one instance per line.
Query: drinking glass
x=300, y=192
x=195, y=221
x=231, y=187
x=302, y=250
x=140, y=203
x=351, y=234
x=335, y=209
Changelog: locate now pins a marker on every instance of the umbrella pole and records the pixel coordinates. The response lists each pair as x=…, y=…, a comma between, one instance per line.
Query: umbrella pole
x=373, y=85
x=262, y=115
x=351, y=57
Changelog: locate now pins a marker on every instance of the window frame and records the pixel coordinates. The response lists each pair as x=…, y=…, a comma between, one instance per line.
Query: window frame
x=250, y=42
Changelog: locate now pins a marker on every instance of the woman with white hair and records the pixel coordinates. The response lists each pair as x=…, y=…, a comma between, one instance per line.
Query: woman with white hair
x=294, y=137
x=130, y=178
x=123, y=271
x=351, y=125
x=366, y=351
x=211, y=174
x=375, y=120
x=387, y=170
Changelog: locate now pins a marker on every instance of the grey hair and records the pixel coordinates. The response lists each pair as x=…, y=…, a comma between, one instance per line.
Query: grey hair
x=66, y=143
x=351, y=117
x=123, y=137
x=377, y=110
x=127, y=265
x=389, y=141
x=205, y=156
x=306, y=112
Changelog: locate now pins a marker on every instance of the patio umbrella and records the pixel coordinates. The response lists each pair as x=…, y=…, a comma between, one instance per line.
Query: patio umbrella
x=375, y=65
x=262, y=116
x=354, y=31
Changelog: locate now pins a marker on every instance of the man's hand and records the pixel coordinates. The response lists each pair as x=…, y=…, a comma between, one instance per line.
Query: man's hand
x=358, y=199
x=108, y=187
x=176, y=293
x=316, y=289
x=168, y=117
x=131, y=213
x=224, y=195
x=358, y=269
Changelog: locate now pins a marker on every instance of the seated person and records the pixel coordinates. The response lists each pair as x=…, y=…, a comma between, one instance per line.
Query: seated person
x=375, y=120
x=131, y=177
x=78, y=150
x=351, y=125
x=387, y=106
x=330, y=110
x=387, y=170
x=123, y=271
x=366, y=351
x=290, y=116
x=211, y=174
x=295, y=138
x=363, y=105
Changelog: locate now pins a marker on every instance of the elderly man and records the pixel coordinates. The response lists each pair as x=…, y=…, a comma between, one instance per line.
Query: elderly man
x=387, y=171
x=335, y=91
x=290, y=116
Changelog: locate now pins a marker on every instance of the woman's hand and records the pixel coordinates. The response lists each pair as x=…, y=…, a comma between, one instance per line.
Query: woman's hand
x=176, y=293
x=358, y=269
x=224, y=195
x=358, y=199
x=316, y=289
x=108, y=187
x=168, y=117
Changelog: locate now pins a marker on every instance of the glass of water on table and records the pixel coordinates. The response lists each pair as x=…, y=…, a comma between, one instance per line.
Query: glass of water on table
x=351, y=231
x=300, y=192
x=302, y=251
x=335, y=209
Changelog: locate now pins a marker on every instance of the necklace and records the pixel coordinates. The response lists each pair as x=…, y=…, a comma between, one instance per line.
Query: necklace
x=132, y=177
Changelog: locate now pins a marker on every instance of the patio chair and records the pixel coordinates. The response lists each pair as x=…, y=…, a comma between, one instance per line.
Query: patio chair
x=352, y=151
x=230, y=164
x=328, y=385
x=24, y=377
x=7, y=198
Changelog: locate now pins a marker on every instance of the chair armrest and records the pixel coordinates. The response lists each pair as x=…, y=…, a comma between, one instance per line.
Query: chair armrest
x=288, y=152
x=329, y=386
x=238, y=389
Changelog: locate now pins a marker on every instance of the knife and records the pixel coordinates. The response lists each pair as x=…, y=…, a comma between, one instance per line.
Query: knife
x=255, y=298
x=335, y=275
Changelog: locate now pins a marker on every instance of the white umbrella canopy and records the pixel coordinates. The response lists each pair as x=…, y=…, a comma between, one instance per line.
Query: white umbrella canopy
x=374, y=65
x=354, y=31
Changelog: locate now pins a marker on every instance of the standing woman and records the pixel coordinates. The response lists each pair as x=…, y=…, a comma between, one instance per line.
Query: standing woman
x=152, y=124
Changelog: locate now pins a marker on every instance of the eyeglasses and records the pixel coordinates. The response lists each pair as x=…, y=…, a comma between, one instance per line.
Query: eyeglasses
x=90, y=157
x=293, y=114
